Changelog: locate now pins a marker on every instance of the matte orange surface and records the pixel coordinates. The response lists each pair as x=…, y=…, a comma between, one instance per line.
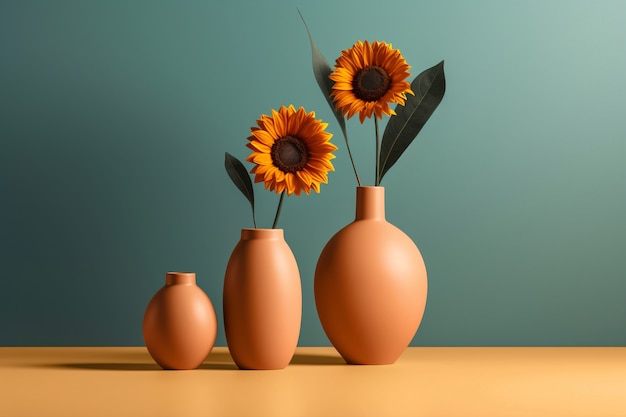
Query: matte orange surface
x=449, y=382
x=262, y=300
x=180, y=324
x=370, y=285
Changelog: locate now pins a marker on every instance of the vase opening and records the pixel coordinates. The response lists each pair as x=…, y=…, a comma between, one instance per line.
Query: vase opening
x=255, y=233
x=180, y=278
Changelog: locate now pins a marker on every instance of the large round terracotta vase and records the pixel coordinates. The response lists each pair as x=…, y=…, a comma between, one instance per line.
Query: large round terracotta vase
x=262, y=301
x=179, y=325
x=370, y=285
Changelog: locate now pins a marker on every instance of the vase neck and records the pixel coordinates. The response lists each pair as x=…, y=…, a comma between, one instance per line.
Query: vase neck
x=180, y=278
x=370, y=203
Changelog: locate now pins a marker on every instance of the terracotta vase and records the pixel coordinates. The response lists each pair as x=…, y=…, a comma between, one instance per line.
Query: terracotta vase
x=370, y=285
x=180, y=325
x=262, y=301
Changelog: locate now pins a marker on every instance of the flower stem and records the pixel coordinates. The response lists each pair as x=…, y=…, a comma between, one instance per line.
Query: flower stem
x=377, y=182
x=356, y=174
x=280, y=206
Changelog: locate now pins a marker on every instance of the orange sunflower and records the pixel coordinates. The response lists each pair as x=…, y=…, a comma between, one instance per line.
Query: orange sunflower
x=367, y=78
x=291, y=150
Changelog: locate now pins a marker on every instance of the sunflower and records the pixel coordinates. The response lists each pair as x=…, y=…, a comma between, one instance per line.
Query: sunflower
x=291, y=150
x=367, y=78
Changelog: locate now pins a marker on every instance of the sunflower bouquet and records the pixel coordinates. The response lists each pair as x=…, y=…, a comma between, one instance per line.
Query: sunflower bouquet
x=367, y=78
x=291, y=153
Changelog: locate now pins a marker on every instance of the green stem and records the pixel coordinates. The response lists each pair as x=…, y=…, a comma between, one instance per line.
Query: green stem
x=377, y=182
x=280, y=206
x=356, y=174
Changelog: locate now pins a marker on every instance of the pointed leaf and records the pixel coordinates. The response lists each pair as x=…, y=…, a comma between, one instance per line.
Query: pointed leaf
x=240, y=177
x=429, y=88
x=322, y=70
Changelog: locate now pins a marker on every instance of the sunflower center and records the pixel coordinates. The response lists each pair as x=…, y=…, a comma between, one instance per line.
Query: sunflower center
x=290, y=154
x=371, y=83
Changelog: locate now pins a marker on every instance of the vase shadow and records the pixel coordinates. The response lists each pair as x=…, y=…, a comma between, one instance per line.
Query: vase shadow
x=223, y=360
x=219, y=366
x=136, y=366
x=110, y=366
x=316, y=359
x=218, y=360
x=215, y=361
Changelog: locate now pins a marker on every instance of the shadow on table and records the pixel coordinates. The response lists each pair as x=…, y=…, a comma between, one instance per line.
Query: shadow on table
x=313, y=359
x=224, y=358
x=215, y=361
x=109, y=366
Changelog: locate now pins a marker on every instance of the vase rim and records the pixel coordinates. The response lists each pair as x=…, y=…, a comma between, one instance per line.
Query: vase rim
x=261, y=228
x=174, y=277
x=370, y=187
x=260, y=233
x=181, y=273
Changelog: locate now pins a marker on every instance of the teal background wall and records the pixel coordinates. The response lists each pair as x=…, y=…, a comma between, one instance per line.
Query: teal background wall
x=115, y=116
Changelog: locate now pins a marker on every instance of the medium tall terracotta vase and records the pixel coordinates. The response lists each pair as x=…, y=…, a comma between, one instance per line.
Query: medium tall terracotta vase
x=370, y=285
x=262, y=301
x=180, y=325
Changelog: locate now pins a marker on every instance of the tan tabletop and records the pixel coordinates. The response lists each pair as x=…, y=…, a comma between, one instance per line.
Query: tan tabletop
x=449, y=382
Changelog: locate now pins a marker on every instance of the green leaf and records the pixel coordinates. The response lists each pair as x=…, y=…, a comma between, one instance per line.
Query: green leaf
x=239, y=175
x=322, y=70
x=429, y=88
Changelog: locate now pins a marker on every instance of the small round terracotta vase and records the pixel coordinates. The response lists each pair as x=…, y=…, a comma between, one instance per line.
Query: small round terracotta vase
x=370, y=285
x=262, y=301
x=180, y=325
